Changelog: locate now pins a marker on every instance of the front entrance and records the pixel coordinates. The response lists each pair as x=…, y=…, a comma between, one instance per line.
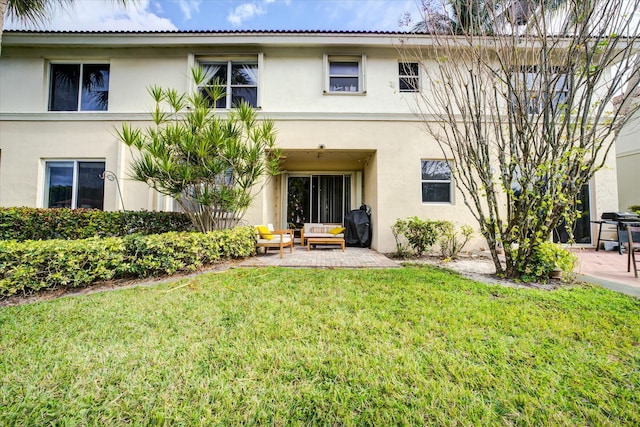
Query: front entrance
x=317, y=198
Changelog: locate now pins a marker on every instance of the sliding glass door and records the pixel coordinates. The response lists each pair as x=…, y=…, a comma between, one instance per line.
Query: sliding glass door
x=582, y=226
x=317, y=198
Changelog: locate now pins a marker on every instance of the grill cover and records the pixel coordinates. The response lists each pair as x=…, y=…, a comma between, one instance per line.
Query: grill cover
x=357, y=224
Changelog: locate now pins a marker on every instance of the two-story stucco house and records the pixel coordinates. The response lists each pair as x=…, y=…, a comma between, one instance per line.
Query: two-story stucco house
x=342, y=103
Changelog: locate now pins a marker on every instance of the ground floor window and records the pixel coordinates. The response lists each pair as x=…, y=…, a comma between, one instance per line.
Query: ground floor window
x=74, y=184
x=436, y=181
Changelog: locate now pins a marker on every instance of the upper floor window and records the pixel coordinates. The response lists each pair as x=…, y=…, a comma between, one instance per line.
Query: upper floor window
x=79, y=87
x=436, y=181
x=541, y=88
x=344, y=74
x=409, y=77
x=238, y=78
x=74, y=184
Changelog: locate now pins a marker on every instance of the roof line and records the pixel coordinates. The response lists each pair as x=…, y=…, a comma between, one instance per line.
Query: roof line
x=208, y=32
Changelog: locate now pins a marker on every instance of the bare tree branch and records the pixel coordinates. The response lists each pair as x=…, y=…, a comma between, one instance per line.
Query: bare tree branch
x=526, y=113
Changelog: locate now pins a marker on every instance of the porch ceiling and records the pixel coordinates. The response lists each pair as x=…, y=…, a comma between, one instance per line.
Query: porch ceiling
x=325, y=160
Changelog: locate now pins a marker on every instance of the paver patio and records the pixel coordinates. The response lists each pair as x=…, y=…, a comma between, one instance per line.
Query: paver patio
x=608, y=269
x=322, y=257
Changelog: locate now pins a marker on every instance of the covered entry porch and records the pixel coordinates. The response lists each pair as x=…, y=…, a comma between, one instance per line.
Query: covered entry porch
x=321, y=186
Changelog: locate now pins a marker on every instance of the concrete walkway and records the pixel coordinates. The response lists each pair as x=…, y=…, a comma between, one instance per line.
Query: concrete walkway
x=607, y=269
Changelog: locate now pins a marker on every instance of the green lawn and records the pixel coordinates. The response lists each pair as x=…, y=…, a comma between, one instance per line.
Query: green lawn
x=330, y=347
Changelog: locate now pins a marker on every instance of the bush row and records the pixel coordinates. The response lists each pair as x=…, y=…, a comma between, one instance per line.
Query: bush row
x=44, y=224
x=34, y=265
x=419, y=235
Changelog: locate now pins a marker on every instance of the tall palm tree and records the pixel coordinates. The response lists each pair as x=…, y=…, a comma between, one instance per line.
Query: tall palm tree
x=34, y=11
x=480, y=16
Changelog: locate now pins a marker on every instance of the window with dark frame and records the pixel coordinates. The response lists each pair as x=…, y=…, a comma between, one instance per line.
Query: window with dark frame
x=344, y=76
x=536, y=90
x=409, y=77
x=79, y=87
x=74, y=184
x=436, y=181
x=239, y=79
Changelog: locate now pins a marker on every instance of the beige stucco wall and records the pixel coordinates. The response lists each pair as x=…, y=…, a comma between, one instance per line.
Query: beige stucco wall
x=27, y=145
x=293, y=80
x=22, y=85
x=628, y=164
x=392, y=177
x=130, y=79
x=628, y=180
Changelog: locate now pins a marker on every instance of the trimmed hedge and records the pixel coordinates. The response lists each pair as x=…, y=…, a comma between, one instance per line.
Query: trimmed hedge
x=44, y=224
x=34, y=265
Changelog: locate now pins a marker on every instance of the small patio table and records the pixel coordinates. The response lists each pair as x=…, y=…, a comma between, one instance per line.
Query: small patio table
x=325, y=241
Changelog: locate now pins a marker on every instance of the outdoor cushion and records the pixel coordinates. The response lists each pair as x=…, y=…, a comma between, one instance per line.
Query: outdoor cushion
x=275, y=239
x=335, y=231
x=264, y=232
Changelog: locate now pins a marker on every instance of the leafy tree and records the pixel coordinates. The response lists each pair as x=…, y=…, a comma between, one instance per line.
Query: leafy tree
x=528, y=115
x=211, y=166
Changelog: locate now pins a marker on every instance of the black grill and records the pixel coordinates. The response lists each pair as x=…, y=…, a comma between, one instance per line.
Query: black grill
x=620, y=216
x=620, y=220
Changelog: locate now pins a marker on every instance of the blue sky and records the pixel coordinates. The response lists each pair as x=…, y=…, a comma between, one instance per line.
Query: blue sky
x=383, y=15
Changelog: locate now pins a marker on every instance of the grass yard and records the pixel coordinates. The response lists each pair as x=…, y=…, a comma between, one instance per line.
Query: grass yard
x=331, y=347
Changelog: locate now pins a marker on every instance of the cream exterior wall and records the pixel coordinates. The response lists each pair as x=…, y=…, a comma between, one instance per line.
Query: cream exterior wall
x=22, y=86
x=392, y=177
x=291, y=92
x=628, y=164
x=26, y=145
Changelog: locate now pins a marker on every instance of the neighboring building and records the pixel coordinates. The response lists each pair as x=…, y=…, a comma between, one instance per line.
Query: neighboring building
x=342, y=103
x=628, y=164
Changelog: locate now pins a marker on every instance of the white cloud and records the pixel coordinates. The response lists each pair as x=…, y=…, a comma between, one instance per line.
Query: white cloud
x=248, y=10
x=244, y=12
x=380, y=15
x=100, y=16
x=188, y=7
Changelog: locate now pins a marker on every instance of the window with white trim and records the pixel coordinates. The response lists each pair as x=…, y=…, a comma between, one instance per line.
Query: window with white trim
x=74, y=184
x=409, y=77
x=78, y=87
x=436, y=181
x=344, y=74
x=239, y=79
x=539, y=87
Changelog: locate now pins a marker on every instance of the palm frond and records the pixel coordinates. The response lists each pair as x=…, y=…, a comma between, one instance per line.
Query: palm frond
x=37, y=11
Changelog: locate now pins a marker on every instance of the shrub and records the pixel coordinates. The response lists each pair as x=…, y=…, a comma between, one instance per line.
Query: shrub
x=44, y=224
x=635, y=208
x=419, y=234
x=34, y=265
x=547, y=257
x=452, y=242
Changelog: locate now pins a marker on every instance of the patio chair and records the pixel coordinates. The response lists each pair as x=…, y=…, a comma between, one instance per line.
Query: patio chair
x=633, y=233
x=267, y=238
